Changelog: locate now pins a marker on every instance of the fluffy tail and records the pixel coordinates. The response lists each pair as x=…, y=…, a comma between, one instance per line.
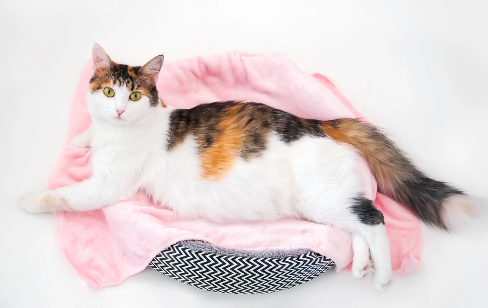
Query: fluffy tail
x=434, y=202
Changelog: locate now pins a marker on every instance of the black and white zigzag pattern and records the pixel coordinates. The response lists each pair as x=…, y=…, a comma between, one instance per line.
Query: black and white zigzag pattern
x=236, y=274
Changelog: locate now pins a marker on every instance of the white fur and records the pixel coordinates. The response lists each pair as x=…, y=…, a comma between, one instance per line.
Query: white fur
x=312, y=178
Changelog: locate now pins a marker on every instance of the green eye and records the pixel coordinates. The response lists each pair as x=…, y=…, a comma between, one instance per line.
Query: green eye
x=135, y=96
x=108, y=92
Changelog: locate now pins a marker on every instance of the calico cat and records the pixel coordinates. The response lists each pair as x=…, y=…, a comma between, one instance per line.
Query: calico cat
x=234, y=161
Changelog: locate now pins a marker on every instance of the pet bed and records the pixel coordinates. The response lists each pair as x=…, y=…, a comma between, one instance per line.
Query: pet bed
x=209, y=267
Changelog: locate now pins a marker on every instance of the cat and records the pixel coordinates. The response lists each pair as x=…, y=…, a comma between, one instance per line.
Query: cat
x=235, y=161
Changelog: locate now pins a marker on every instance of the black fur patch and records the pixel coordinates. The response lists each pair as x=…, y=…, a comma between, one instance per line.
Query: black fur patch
x=366, y=212
x=291, y=128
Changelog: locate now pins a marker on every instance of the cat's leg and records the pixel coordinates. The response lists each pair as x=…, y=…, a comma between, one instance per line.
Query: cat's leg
x=363, y=219
x=360, y=262
x=82, y=140
x=370, y=224
x=93, y=193
x=380, y=252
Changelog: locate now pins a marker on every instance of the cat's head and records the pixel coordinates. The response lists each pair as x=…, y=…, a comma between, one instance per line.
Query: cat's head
x=120, y=93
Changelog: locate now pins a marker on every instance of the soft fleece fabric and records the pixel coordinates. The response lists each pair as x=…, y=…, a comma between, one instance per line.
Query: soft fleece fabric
x=106, y=246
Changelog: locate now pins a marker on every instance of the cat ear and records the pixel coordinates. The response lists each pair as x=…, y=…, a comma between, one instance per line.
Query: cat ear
x=152, y=68
x=101, y=61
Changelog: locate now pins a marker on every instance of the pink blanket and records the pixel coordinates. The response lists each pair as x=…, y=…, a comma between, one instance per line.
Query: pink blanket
x=106, y=246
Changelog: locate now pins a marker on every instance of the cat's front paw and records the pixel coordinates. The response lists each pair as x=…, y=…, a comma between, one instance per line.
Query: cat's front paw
x=30, y=202
x=80, y=141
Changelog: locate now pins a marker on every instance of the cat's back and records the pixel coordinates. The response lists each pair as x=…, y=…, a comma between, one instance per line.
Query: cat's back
x=236, y=128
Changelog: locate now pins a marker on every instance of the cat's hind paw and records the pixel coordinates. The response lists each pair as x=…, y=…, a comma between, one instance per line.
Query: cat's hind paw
x=358, y=272
x=361, y=263
x=381, y=278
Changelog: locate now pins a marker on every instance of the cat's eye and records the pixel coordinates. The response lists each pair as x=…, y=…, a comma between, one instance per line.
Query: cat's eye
x=109, y=92
x=135, y=96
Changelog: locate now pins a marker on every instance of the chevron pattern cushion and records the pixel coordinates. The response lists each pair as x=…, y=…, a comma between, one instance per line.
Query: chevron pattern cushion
x=205, y=266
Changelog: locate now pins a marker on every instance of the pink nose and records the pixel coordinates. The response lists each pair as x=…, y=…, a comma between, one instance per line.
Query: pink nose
x=120, y=112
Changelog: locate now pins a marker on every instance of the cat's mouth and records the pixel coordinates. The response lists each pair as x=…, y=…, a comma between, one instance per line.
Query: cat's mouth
x=119, y=116
x=118, y=119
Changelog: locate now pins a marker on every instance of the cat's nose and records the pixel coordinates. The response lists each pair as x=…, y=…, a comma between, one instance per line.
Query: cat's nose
x=119, y=112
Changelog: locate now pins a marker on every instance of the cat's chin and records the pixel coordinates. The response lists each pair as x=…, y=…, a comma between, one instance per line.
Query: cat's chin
x=116, y=120
x=119, y=120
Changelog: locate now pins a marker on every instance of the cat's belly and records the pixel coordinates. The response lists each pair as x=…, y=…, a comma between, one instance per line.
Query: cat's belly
x=254, y=190
x=285, y=180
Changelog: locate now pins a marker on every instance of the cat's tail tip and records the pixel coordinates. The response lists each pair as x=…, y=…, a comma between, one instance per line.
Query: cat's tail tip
x=462, y=212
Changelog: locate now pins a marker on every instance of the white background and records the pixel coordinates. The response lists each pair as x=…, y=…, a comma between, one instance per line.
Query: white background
x=416, y=68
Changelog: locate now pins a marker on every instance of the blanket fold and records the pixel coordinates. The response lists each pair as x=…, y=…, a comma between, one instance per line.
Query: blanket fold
x=106, y=246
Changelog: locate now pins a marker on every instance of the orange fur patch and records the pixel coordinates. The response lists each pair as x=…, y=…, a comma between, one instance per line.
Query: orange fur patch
x=130, y=71
x=162, y=103
x=143, y=91
x=100, y=85
x=50, y=204
x=47, y=204
x=339, y=130
x=219, y=158
x=64, y=204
